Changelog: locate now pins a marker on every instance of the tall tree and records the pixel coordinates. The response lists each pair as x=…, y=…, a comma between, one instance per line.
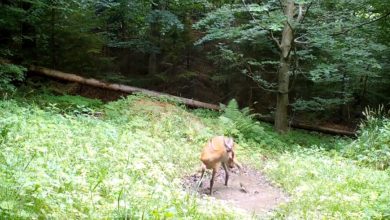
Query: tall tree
x=255, y=23
x=320, y=40
x=281, y=115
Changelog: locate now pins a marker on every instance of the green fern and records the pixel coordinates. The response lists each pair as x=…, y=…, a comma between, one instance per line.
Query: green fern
x=240, y=123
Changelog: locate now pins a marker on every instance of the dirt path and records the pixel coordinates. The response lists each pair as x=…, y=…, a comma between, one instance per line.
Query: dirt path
x=260, y=198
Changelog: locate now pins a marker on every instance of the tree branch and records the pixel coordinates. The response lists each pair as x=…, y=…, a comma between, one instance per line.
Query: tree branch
x=281, y=6
x=247, y=8
x=276, y=40
x=297, y=41
x=362, y=24
x=251, y=75
x=306, y=11
x=300, y=13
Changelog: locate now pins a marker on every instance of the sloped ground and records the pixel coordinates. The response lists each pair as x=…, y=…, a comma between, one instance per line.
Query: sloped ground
x=257, y=196
x=58, y=159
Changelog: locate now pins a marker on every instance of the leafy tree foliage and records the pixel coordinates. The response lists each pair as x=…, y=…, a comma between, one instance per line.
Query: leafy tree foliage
x=335, y=45
x=338, y=57
x=55, y=33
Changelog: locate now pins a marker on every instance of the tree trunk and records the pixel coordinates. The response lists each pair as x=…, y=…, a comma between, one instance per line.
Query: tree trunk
x=52, y=36
x=29, y=43
x=152, y=65
x=116, y=87
x=154, y=38
x=281, y=115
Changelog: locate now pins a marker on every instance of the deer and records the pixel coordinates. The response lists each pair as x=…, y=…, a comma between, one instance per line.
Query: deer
x=219, y=150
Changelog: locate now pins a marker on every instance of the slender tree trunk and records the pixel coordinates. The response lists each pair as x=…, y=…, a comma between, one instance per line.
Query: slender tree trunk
x=281, y=115
x=152, y=66
x=154, y=37
x=52, y=36
x=363, y=96
x=188, y=39
x=28, y=44
x=344, y=108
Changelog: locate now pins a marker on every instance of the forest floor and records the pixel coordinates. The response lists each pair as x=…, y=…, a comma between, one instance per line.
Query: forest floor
x=257, y=194
x=65, y=155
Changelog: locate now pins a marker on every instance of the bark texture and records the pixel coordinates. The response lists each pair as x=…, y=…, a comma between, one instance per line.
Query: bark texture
x=281, y=115
x=116, y=87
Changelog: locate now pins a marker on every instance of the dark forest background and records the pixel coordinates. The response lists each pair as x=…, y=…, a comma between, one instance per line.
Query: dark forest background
x=208, y=50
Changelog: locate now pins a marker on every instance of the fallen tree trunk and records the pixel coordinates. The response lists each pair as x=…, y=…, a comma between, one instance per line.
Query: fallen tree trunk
x=188, y=102
x=318, y=128
x=117, y=87
x=323, y=129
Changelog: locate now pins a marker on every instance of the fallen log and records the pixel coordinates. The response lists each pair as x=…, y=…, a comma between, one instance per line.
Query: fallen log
x=310, y=127
x=186, y=101
x=117, y=87
x=323, y=129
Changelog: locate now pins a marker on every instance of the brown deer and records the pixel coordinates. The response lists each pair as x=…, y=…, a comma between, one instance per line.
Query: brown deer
x=218, y=151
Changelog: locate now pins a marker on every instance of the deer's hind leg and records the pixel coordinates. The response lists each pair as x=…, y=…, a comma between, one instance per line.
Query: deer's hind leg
x=226, y=173
x=202, y=175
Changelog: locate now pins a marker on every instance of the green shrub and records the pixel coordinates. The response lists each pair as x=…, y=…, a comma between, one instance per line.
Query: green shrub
x=240, y=123
x=372, y=147
x=67, y=104
x=8, y=74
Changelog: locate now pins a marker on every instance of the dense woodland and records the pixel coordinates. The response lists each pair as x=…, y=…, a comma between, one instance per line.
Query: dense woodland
x=68, y=149
x=311, y=60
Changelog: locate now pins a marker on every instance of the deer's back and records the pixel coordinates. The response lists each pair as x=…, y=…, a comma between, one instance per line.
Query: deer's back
x=214, y=152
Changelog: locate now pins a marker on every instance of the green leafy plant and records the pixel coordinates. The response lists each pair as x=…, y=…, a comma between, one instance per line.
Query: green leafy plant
x=130, y=164
x=126, y=165
x=329, y=187
x=238, y=122
x=372, y=147
x=67, y=104
x=8, y=74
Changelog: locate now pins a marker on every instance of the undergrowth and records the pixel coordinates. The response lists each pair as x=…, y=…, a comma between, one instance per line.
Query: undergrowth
x=128, y=165
x=128, y=161
x=372, y=147
x=325, y=187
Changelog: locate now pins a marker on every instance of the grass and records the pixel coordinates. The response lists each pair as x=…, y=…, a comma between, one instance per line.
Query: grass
x=55, y=165
x=127, y=163
x=324, y=187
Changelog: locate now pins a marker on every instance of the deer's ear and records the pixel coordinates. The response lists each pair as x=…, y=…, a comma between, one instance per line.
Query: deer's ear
x=228, y=142
x=231, y=142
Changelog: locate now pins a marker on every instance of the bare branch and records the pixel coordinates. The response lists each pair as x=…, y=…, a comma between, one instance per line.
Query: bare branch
x=262, y=87
x=251, y=75
x=248, y=9
x=306, y=11
x=276, y=40
x=301, y=42
x=300, y=13
x=362, y=24
x=297, y=41
x=281, y=6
